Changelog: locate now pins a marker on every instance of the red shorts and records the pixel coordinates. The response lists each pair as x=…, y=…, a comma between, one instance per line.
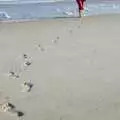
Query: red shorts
x=80, y=4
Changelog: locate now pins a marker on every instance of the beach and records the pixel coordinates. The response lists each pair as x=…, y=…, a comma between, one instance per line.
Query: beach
x=72, y=64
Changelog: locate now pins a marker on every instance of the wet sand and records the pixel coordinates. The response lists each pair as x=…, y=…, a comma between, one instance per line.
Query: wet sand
x=74, y=68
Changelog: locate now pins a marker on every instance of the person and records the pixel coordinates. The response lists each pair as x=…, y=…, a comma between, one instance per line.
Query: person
x=81, y=5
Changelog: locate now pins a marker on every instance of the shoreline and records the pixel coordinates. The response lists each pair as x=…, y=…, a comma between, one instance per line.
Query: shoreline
x=58, y=18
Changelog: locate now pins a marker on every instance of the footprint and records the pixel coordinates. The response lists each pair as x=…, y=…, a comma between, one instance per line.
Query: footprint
x=79, y=26
x=25, y=56
x=70, y=31
x=41, y=48
x=7, y=107
x=11, y=109
x=56, y=40
x=20, y=114
x=27, y=86
x=13, y=74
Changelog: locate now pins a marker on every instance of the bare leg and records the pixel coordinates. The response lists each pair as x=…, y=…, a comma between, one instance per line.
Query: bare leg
x=79, y=13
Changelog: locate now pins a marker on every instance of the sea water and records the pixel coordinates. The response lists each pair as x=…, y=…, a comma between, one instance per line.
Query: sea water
x=37, y=9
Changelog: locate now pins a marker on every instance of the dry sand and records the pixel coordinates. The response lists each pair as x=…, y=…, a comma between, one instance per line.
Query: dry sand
x=75, y=68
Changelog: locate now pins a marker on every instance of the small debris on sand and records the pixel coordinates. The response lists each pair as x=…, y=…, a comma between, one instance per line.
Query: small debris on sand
x=27, y=86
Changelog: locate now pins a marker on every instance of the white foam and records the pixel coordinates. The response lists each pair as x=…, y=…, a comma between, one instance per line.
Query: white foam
x=4, y=15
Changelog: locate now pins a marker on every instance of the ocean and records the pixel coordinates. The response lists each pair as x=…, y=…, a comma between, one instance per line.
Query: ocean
x=32, y=9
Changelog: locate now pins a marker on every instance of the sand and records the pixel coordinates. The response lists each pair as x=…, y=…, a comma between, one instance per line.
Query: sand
x=74, y=68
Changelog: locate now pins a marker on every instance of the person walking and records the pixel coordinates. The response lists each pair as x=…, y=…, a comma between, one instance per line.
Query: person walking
x=81, y=6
